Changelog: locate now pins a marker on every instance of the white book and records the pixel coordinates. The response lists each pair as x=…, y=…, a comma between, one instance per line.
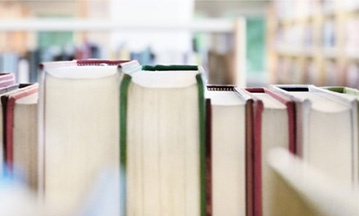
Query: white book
x=228, y=150
x=271, y=129
x=78, y=129
x=325, y=131
x=162, y=140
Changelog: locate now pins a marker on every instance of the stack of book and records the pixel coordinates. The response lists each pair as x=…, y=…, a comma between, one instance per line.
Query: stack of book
x=176, y=146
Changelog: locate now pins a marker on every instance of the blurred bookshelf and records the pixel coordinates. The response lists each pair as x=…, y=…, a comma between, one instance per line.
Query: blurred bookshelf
x=314, y=42
x=32, y=33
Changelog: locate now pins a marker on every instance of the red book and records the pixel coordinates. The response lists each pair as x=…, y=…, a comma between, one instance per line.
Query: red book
x=273, y=125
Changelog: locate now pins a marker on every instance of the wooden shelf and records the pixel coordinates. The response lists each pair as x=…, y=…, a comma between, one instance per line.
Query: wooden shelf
x=310, y=60
x=286, y=51
x=353, y=56
x=331, y=53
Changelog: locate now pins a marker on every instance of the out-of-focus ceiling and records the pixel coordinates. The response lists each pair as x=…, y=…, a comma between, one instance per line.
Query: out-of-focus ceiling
x=210, y=8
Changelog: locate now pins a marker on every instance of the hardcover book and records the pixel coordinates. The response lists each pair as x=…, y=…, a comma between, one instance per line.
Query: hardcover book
x=325, y=130
x=78, y=128
x=162, y=115
x=273, y=126
x=227, y=144
x=21, y=133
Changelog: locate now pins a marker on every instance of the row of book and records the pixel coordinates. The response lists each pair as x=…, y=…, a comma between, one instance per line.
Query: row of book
x=177, y=146
x=331, y=72
x=303, y=35
x=304, y=9
x=352, y=36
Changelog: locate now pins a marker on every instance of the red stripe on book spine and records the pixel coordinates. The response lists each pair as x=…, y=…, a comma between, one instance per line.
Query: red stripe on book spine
x=291, y=118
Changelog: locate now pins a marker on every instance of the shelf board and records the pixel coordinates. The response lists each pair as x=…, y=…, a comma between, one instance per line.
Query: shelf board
x=353, y=56
x=308, y=52
x=331, y=53
x=207, y=25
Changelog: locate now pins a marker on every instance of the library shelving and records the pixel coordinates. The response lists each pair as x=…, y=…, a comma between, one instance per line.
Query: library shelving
x=314, y=42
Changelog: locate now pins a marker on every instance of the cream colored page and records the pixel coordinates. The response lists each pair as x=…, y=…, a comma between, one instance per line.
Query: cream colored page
x=228, y=160
x=274, y=134
x=163, y=151
x=330, y=145
x=192, y=151
x=25, y=150
x=81, y=135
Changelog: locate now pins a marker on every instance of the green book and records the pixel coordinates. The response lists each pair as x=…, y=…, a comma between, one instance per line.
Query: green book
x=162, y=141
x=351, y=97
x=344, y=90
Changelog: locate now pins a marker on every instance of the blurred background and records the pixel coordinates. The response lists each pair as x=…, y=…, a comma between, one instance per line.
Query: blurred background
x=243, y=42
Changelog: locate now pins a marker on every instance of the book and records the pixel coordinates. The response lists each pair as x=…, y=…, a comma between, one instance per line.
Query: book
x=332, y=72
x=351, y=97
x=273, y=126
x=3, y=92
x=162, y=142
x=78, y=128
x=4, y=98
x=24, y=71
x=343, y=90
x=21, y=133
x=352, y=75
x=324, y=130
x=6, y=79
x=9, y=63
x=228, y=109
x=303, y=190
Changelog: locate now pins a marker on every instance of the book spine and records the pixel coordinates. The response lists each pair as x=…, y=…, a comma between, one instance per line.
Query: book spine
x=209, y=156
x=257, y=156
x=202, y=130
x=249, y=158
x=290, y=105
